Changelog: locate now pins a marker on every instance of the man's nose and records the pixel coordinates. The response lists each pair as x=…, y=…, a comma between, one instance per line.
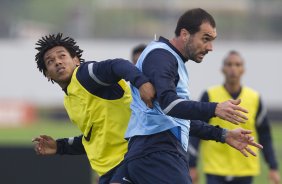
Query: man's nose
x=210, y=47
x=58, y=61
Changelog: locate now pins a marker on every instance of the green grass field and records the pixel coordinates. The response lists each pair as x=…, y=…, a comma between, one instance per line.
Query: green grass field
x=22, y=136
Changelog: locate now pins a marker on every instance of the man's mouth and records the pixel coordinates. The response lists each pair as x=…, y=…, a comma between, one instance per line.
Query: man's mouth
x=60, y=70
x=202, y=55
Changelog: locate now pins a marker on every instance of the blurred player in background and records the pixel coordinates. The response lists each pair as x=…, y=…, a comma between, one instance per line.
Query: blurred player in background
x=221, y=164
x=96, y=98
x=158, y=137
x=136, y=51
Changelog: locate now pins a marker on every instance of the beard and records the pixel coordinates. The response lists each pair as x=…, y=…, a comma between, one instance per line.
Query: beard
x=190, y=51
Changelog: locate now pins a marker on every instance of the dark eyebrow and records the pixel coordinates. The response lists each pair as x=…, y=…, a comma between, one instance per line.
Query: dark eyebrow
x=48, y=57
x=207, y=34
x=59, y=51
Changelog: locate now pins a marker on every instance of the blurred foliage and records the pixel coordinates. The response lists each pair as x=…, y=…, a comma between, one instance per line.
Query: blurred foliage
x=252, y=19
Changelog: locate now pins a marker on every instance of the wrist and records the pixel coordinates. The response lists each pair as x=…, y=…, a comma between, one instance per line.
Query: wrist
x=215, y=106
x=223, y=135
x=140, y=81
x=60, y=146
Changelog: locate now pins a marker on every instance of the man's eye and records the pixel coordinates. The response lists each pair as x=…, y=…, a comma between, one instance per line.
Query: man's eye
x=206, y=39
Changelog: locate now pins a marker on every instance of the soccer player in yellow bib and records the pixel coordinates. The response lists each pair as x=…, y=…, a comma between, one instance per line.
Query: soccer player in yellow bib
x=97, y=99
x=221, y=164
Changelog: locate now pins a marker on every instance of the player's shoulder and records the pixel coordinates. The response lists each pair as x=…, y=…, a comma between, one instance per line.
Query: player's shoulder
x=215, y=88
x=83, y=67
x=85, y=73
x=251, y=90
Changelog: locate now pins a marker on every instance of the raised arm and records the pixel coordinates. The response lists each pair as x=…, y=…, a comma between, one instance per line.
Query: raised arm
x=96, y=75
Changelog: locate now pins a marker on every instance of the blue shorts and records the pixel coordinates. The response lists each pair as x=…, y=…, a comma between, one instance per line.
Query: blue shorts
x=158, y=168
x=155, y=159
x=115, y=175
x=214, y=179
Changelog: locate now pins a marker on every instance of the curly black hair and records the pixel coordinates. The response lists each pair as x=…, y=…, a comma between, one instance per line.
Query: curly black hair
x=48, y=42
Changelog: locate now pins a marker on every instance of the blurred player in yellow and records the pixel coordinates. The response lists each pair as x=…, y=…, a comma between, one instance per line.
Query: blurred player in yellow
x=221, y=164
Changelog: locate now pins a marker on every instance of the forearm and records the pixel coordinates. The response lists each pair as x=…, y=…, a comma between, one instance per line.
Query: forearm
x=70, y=146
x=193, y=110
x=264, y=138
x=206, y=131
x=111, y=71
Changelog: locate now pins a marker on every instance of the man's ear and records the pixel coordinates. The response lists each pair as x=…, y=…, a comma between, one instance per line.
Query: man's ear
x=47, y=75
x=76, y=61
x=222, y=70
x=185, y=34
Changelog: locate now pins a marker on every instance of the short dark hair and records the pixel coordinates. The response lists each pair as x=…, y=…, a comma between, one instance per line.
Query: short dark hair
x=232, y=52
x=137, y=49
x=192, y=20
x=48, y=42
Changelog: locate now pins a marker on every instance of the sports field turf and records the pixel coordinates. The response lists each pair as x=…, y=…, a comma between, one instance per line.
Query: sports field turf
x=22, y=136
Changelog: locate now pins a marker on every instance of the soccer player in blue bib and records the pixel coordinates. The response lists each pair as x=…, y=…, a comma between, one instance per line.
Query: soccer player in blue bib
x=158, y=137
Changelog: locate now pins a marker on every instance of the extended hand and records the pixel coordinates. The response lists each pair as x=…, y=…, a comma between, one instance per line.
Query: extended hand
x=274, y=176
x=45, y=145
x=147, y=93
x=194, y=175
x=240, y=139
x=229, y=111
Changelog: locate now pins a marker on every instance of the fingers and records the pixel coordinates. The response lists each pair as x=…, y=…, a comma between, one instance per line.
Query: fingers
x=235, y=102
x=147, y=93
x=247, y=150
x=256, y=145
x=231, y=119
x=39, y=144
x=238, y=108
x=41, y=138
x=243, y=131
x=38, y=149
x=250, y=140
x=36, y=139
x=241, y=117
x=236, y=117
x=250, y=151
x=46, y=137
x=244, y=152
x=230, y=111
x=148, y=102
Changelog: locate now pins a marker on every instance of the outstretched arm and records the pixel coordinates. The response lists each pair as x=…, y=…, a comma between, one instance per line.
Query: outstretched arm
x=46, y=145
x=241, y=139
x=161, y=67
x=238, y=138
